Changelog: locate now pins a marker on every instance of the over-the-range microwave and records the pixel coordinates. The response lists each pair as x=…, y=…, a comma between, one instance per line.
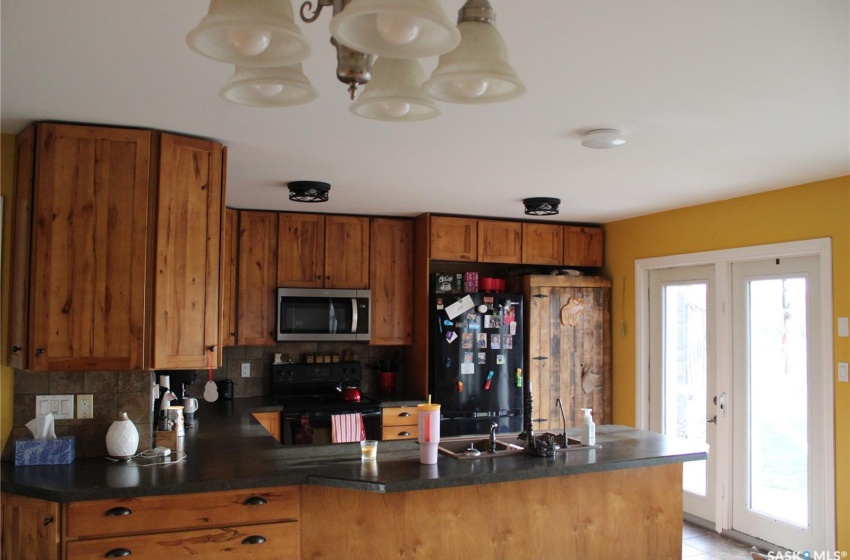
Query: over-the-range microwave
x=317, y=314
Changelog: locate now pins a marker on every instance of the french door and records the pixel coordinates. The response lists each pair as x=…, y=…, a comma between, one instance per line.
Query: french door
x=735, y=351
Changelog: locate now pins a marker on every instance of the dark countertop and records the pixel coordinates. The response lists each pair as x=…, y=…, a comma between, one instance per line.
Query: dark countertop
x=229, y=450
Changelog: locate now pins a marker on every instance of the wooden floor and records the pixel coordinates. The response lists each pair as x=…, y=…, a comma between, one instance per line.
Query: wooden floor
x=702, y=544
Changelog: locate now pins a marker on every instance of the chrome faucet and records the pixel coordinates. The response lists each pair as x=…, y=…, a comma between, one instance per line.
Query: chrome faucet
x=560, y=405
x=528, y=411
x=491, y=445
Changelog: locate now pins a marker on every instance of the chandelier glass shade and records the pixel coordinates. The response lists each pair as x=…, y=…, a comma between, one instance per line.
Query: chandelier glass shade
x=373, y=38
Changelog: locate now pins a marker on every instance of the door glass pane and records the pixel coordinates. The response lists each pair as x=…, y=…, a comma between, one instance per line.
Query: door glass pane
x=778, y=415
x=685, y=368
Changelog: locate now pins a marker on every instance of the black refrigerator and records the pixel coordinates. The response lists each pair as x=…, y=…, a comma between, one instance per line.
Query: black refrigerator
x=476, y=370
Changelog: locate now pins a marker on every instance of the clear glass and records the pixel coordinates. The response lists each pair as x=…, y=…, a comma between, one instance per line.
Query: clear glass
x=368, y=450
x=778, y=473
x=685, y=369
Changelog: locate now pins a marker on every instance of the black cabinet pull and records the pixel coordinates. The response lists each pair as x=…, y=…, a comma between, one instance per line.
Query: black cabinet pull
x=404, y=433
x=255, y=501
x=403, y=414
x=16, y=349
x=47, y=521
x=254, y=539
x=118, y=553
x=39, y=351
x=118, y=512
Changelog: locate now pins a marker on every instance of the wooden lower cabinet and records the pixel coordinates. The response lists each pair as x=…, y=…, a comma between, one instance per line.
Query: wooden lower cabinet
x=30, y=528
x=628, y=513
x=399, y=422
x=270, y=421
x=261, y=523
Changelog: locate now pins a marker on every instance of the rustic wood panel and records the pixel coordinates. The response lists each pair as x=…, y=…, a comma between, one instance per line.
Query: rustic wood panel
x=229, y=268
x=188, y=237
x=346, y=252
x=391, y=281
x=19, y=287
x=89, y=248
x=499, y=242
x=637, y=512
x=301, y=251
x=417, y=355
x=583, y=246
x=257, y=273
x=281, y=543
x=30, y=528
x=542, y=244
x=453, y=239
x=270, y=421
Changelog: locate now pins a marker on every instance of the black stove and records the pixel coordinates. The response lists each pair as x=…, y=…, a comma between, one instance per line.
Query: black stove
x=309, y=396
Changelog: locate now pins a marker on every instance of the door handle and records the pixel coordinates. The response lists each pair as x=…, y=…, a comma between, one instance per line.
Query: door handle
x=713, y=420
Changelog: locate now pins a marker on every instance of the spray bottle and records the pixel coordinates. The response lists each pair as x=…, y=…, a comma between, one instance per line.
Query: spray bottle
x=588, y=428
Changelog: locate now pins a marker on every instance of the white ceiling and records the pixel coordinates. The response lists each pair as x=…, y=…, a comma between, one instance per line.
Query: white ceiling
x=717, y=99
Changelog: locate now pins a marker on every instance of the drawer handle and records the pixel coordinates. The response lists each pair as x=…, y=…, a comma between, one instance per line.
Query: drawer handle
x=118, y=512
x=404, y=433
x=403, y=414
x=254, y=539
x=255, y=501
x=118, y=553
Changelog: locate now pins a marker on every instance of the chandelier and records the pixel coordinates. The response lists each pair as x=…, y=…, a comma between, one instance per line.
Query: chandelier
x=378, y=43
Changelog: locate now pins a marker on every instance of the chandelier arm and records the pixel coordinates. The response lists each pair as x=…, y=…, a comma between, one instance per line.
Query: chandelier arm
x=308, y=5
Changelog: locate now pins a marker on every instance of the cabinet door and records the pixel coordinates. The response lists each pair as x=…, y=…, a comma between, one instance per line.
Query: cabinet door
x=346, y=252
x=582, y=246
x=89, y=254
x=301, y=251
x=229, y=245
x=257, y=276
x=188, y=237
x=21, y=237
x=30, y=528
x=454, y=239
x=270, y=421
x=499, y=242
x=542, y=244
x=391, y=281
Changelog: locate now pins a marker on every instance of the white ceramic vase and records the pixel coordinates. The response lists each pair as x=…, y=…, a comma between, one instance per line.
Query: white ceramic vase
x=122, y=439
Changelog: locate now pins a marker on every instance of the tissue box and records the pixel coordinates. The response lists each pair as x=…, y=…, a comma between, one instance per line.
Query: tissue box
x=58, y=451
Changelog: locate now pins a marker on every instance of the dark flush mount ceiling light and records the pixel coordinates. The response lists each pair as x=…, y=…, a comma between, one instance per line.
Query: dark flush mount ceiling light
x=541, y=206
x=308, y=191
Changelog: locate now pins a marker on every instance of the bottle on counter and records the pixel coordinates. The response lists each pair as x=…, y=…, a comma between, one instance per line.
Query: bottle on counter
x=588, y=428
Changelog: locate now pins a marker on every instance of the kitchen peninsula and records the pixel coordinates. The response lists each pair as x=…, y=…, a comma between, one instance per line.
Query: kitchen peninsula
x=322, y=502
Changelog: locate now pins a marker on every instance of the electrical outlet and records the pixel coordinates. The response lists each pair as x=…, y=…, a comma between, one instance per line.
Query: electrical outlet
x=246, y=369
x=842, y=372
x=85, y=406
x=60, y=406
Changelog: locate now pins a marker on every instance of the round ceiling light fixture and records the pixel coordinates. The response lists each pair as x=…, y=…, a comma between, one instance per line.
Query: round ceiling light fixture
x=602, y=138
x=308, y=191
x=541, y=206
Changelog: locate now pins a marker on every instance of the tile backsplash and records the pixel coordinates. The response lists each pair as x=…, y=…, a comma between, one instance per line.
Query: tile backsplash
x=130, y=391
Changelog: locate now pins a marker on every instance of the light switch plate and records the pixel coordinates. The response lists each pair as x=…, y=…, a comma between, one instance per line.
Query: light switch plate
x=842, y=372
x=61, y=406
x=246, y=369
x=843, y=326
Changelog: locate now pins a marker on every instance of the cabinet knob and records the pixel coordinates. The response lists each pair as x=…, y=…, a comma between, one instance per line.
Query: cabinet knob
x=255, y=501
x=47, y=521
x=39, y=351
x=118, y=553
x=254, y=539
x=211, y=347
x=16, y=349
x=118, y=512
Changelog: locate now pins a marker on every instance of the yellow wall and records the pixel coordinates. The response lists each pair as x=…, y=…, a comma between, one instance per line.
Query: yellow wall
x=7, y=163
x=809, y=211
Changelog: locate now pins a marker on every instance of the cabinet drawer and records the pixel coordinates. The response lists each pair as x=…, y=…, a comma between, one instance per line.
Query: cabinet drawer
x=399, y=432
x=399, y=416
x=273, y=541
x=184, y=511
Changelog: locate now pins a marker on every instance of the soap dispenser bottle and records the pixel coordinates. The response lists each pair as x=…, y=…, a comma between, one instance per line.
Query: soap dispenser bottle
x=588, y=428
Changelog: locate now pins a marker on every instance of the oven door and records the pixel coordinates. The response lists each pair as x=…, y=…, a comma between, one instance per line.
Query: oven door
x=314, y=427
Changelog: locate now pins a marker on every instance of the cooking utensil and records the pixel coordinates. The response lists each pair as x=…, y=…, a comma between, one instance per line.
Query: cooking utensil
x=349, y=389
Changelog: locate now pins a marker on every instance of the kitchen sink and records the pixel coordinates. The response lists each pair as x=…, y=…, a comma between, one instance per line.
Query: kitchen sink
x=570, y=444
x=462, y=448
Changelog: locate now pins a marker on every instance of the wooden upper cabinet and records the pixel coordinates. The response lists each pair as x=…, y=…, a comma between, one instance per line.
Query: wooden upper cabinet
x=346, y=252
x=583, y=246
x=18, y=349
x=187, y=249
x=499, y=242
x=301, y=251
x=391, y=281
x=89, y=248
x=542, y=244
x=229, y=254
x=257, y=281
x=454, y=239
